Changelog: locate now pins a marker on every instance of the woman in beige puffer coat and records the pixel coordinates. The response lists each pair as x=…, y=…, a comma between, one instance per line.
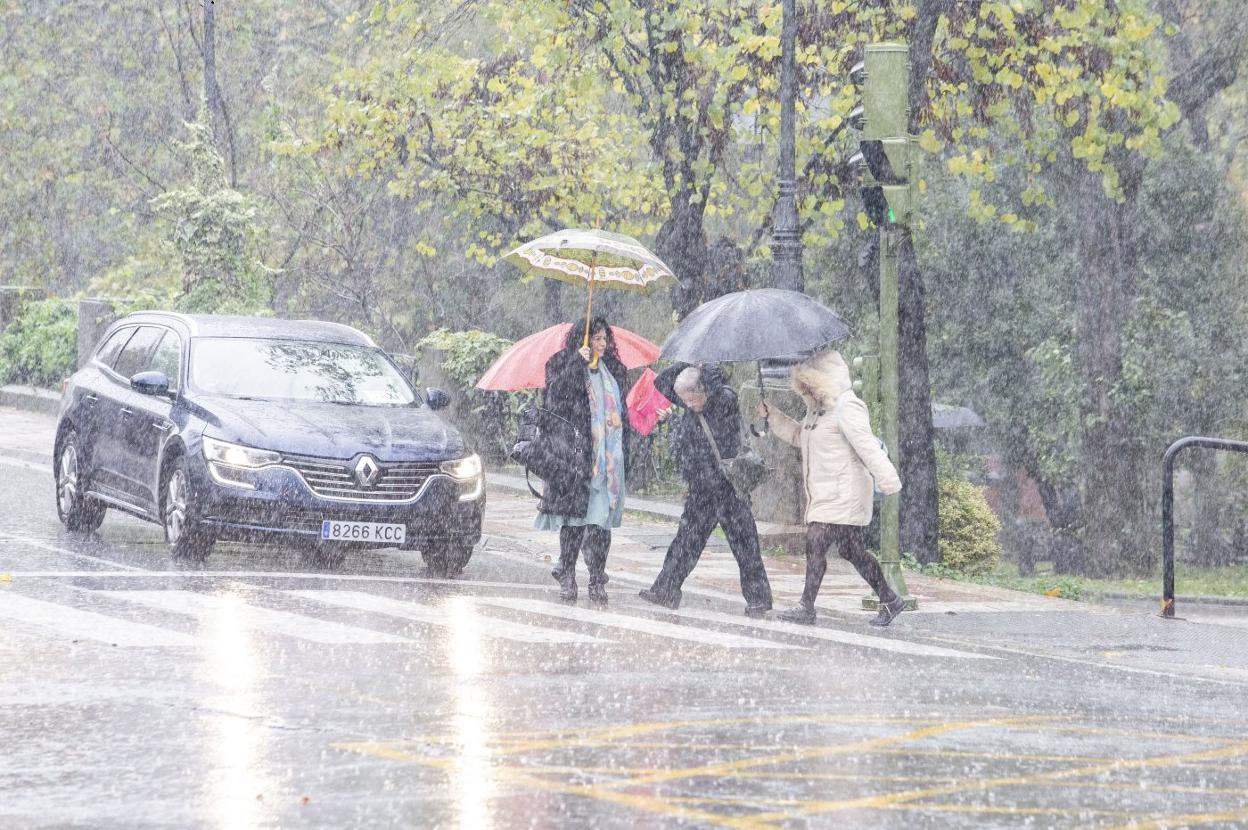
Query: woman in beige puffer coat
x=840, y=459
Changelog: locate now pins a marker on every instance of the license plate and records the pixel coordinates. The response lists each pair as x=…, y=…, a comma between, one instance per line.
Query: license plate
x=386, y=534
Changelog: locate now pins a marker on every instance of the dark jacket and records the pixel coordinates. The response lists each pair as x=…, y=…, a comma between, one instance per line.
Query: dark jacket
x=697, y=462
x=567, y=433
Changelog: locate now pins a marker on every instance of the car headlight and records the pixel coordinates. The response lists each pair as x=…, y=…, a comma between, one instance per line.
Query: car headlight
x=236, y=455
x=463, y=468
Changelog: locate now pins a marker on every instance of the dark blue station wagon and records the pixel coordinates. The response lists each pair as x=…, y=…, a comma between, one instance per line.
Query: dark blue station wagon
x=256, y=429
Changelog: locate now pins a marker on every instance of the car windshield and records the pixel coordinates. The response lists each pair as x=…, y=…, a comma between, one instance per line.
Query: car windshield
x=294, y=370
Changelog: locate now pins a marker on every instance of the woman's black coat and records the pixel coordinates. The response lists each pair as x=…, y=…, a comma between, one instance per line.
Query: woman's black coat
x=567, y=437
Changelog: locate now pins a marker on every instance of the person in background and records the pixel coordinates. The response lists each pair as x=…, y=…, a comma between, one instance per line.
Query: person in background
x=585, y=420
x=707, y=399
x=840, y=457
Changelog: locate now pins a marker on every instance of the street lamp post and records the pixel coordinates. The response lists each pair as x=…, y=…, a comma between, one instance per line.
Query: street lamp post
x=786, y=235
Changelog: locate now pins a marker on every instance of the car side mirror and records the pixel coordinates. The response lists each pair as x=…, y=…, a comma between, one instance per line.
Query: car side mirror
x=150, y=383
x=437, y=398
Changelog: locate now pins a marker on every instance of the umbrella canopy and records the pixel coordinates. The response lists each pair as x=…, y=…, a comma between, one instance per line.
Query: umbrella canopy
x=945, y=416
x=522, y=365
x=754, y=325
x=593, y=257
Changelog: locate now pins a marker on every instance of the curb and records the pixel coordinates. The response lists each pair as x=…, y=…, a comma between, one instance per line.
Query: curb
x=1237, y=602
x=30, y=398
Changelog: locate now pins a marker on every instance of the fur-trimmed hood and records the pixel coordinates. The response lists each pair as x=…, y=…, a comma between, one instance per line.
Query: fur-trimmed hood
x=822, y=378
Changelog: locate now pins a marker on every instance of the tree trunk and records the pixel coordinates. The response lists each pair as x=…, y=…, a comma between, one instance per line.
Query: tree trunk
x=551, y=295
x=218, y=116
x=681, y=243
x=209, y=47
x=1061, y=505
x=919, y=498
x=1115, y=509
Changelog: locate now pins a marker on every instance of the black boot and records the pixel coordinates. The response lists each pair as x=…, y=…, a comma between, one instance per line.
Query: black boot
x=598, y=593
x=668, y=601
x=567, y=583
x=802, y=615
x=757, y=610
x=888, y=612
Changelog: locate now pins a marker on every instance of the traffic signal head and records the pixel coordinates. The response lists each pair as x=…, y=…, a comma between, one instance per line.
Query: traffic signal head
x=885, y=147
x=883, y=79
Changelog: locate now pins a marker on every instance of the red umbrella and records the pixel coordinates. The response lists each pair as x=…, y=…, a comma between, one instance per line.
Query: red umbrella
x=522, y=365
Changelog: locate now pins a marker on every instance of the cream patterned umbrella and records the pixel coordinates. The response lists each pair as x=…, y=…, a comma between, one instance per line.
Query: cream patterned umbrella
x=593, y=257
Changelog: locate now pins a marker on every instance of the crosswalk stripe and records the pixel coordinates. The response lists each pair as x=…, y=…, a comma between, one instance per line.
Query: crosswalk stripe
x=643, y=625
x=444, y=616
x=78, y=624
x=208, y=607
x=834, y=635
x=40, y=545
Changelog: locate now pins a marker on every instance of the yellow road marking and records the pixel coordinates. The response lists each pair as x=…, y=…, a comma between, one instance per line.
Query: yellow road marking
x=608, y=734
x=621, y=790
x=728, y=767
x=938, y=808
x=1185, y=821
x=885, y=801
x=511, y=775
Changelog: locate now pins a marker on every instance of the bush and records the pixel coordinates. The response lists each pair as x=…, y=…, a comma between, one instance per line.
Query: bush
x=465, y=357
x=40, y=347
x=967, y=529
x=465, y=354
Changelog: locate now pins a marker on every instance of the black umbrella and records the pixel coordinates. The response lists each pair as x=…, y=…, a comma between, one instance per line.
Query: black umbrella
x=757, y=325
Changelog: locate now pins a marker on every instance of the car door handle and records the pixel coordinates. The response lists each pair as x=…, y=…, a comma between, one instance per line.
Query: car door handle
x=162, y=427
x=126, y=413
x=91, y=399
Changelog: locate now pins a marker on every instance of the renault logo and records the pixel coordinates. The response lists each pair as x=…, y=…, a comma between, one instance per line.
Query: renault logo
x=366, y=471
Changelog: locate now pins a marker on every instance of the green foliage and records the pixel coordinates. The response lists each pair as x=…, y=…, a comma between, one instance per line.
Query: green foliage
x=967, y=529
x=215, y=231
x=465, y=354
x=40, y=347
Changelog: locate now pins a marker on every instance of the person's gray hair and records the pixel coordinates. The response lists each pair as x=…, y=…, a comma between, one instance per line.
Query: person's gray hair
x=689, y=380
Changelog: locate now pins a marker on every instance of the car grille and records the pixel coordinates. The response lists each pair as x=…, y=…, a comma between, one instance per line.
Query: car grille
x=335, y=479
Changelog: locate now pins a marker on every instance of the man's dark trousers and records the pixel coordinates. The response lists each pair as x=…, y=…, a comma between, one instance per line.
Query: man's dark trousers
x=706, y=507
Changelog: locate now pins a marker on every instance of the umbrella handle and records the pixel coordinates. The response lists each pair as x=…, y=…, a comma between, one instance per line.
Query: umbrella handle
x=589, y=309
x=762, y=398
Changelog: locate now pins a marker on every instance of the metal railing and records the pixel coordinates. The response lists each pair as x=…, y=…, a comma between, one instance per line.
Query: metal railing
x=1167, y=508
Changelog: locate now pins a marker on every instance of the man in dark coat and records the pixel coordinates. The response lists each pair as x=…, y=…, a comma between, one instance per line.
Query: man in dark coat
x=712, y=500
x=568, y=454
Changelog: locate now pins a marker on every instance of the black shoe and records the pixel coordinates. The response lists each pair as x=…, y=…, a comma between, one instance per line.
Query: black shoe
x=598, y=593
x=757, y=611
x=668, y=601
x=888, y=612
x=802, y=615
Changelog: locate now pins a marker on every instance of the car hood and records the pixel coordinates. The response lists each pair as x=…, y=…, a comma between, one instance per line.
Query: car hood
x=401, y=433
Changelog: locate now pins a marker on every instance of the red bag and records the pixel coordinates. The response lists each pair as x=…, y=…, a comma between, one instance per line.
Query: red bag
x=645, y=403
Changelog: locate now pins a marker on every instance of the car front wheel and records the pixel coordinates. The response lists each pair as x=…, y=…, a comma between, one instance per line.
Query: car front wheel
x=77, y=510
x=446, y=559
x=188, y=540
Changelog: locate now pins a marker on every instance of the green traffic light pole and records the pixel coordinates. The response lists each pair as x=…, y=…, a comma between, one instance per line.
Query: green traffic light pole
x=887, y=151
x=890, y=510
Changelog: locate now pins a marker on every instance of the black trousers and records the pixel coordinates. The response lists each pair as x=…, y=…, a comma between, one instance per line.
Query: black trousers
x=704, y=509
x=850, y=544
x=591, y=540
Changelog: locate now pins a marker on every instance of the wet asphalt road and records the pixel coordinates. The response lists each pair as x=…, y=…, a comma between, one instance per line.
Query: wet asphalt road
x=256, y=693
